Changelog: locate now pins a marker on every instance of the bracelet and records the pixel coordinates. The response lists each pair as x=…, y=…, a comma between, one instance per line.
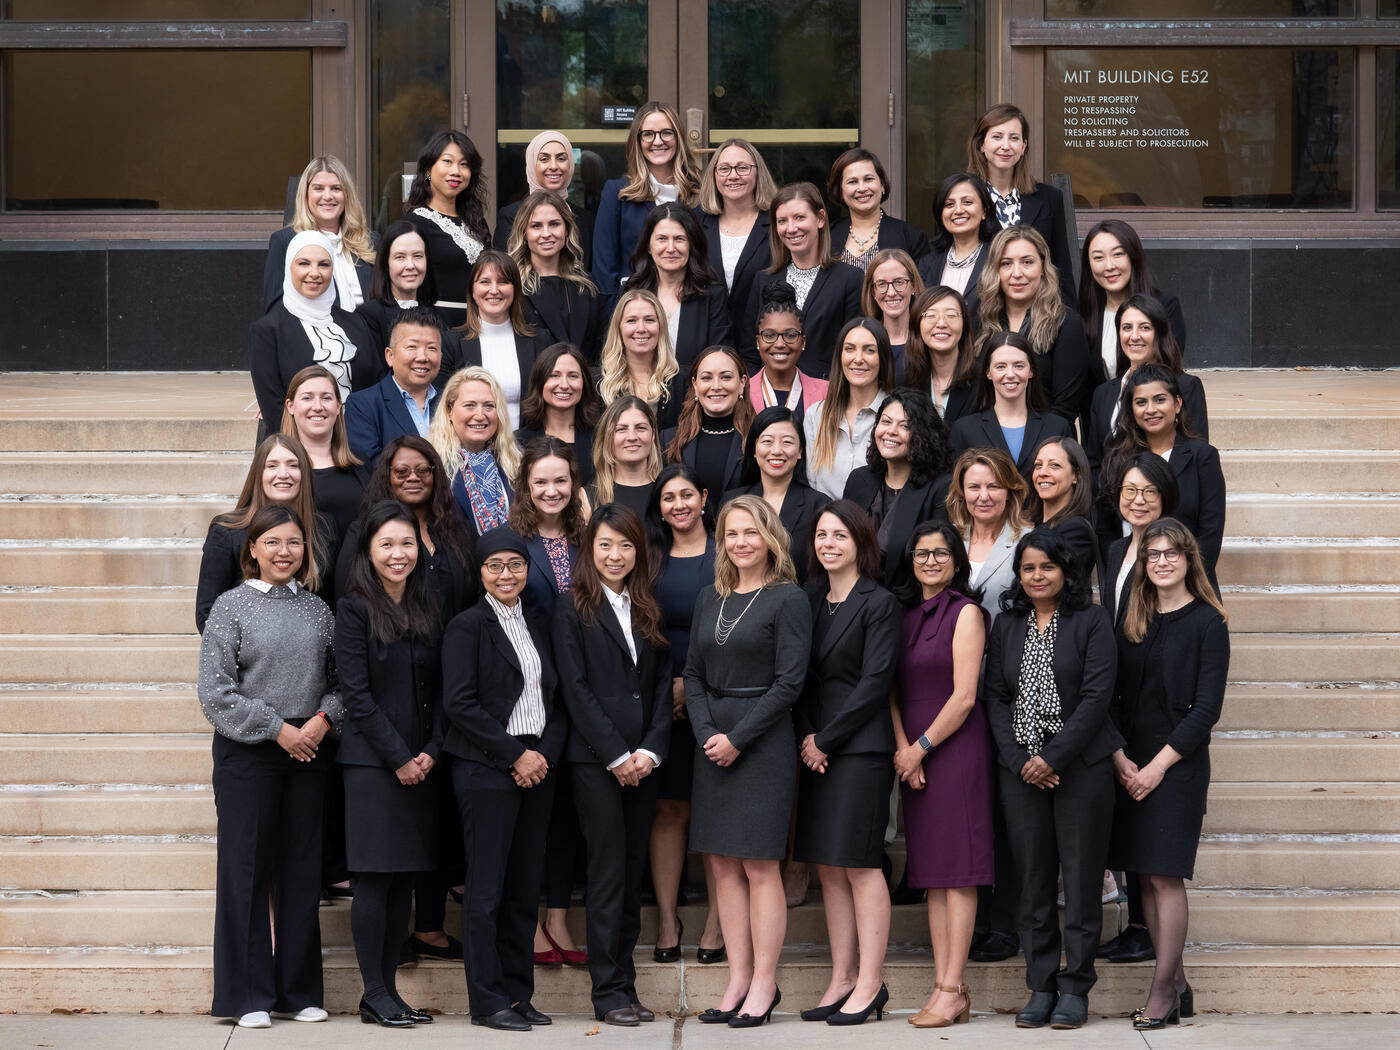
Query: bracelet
x=327, y=717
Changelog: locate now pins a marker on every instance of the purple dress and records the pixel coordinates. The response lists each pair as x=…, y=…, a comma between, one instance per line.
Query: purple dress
x=948, y=824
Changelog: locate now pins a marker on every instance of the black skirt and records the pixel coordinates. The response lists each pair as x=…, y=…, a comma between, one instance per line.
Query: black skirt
x=388, y=826
x=842, y=813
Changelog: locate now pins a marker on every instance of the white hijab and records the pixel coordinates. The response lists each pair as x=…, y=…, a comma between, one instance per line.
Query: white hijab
x=330, y=345
x=347, y=281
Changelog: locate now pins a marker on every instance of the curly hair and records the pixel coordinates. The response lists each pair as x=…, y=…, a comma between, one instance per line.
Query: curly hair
x=929, y=453
x=524, y=514
x=440, y=514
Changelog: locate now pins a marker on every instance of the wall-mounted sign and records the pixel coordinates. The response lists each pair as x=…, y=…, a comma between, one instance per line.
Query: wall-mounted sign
x=618, y=116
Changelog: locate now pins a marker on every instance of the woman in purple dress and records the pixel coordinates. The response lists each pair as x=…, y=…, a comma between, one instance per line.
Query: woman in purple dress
x=943, y=757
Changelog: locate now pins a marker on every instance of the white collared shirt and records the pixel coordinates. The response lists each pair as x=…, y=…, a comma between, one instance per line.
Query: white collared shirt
x=621, y=603
x=528, y=716
x=264, y=586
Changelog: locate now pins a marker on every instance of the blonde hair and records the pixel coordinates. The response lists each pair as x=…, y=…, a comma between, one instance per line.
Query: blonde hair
x=764, y=188
x=775, y=538
x=341, y=455
x=444, y=439
x=1047, y=310
x=868, y=303
x=570, y=258
x=685, y=167
x=616, y=380
x=354, y=229
x=1004, y=471
x=1142, y=599
x=605, y=461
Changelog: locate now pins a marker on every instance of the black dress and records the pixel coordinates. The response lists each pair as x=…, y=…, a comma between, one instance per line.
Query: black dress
x=635, y=497
x=338, y=492
x=676, y=589
x=1170, y=689
x=452, y=256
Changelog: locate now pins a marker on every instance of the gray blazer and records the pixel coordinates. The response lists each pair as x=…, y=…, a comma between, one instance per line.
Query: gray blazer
x=998, y=572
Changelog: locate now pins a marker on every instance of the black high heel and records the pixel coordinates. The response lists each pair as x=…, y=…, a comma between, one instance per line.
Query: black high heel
x=877, y=1004
x=1187, y=999
x=715, y=1016
x=754, y=1020
x=1143, y=1023
x=821, y=1013
x=369, y=1015
x=709, y=956
x=673, y=953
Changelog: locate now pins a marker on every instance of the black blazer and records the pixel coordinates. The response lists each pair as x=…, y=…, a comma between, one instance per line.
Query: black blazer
x=275, y=267
x=525, y=351
x=541, y=590
x=981, y=430
x=392, y=694
x=481, y=683
x=451, y=578
x=1115, y=602
x=800, y=505
x=752, y=260
x=1066, y=369
x=1083, y=543
x=1176, y=321
x=614, y=705
x=281, y=349
x=931, y=270
x=1045, y=210
x=846, y=700
x=894, y=233
x=374, y=417
x=704, y=322
x=833, y=300
x=505, y=220
x=379, y=318
x=1085, y=663
x=562, y=312
x=1106, y=394
x=1202, y=505
x=917, y=503
x=734, y=465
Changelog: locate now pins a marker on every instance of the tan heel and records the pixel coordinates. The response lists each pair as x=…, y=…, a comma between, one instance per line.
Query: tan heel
x=927, y=1020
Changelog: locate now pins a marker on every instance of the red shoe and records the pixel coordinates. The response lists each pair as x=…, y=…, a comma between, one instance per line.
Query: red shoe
x=567, y=957
x=553, y=957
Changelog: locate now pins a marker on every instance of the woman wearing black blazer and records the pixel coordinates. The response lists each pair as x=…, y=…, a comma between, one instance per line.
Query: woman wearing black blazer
x=549, y=165
x=495, y=335
x=390, y=668
x=562, y=303
x=507, y=732
x=736, y=192
x=561, y=401
x=1048, y=683
x=858, y=181
x=1145, y=493
x=846, y=741
x=939, y=359
x=615, y=680
x=1062, y=498
x=714, y=422
x=1011, y=413
x=403, y=278
x=906, y=475
x=1174, y=658
x=964, y=222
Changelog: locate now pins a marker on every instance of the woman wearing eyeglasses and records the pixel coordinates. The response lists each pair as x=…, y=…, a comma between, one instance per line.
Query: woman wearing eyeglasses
x=780, y=344
x=736, y=192
x=891, y=283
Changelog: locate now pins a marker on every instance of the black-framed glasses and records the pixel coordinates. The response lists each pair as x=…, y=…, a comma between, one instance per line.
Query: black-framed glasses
x=664, y=134
x=787, y=335
x=726, y=170
x=940, y=556
x=899, y=284
x=1171, y=556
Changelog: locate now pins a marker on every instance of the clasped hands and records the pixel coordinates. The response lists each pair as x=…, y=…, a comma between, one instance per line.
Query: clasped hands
x=720, y=751
x=415, y=769
x=529, y=769
x=302, y=743
x=1037, y=773
x=632, y=772
x=1139, y=782
x=813, y=757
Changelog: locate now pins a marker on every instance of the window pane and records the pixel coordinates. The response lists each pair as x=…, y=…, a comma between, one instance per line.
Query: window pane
x=143, y=10
x=944, y=69
x=1388, y=139
x=1157, y=9
x=183, y=130
x=410, y=41
x=1258, y=127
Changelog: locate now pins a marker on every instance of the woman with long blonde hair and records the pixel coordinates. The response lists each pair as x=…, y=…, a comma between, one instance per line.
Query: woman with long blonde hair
x=638, y=357
x=470, y=434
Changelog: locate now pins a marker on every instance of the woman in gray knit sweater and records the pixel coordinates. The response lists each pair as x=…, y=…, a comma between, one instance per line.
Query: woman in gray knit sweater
x=267, y=684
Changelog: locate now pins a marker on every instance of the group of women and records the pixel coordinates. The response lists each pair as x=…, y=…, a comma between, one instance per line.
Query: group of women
x=859, y=437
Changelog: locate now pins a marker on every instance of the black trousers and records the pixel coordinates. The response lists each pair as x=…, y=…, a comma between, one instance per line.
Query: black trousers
x=999, y=905
x=503, y=830
x=1055, y=831
x=616, y=824
x=430, y=887
x=269, y=818
x=562, y=847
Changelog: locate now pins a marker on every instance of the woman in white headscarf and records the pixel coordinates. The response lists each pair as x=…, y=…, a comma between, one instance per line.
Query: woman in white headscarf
x=549, y=165
x=308, y=327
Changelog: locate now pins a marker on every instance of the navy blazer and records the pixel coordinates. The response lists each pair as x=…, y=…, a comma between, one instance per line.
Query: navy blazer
x=981, y=430
x=1044, y=210
x=833, y=300
x=917, y=504
x=275, y=268
x=392, y=694
x=846, y=699
x=704, y=322
x=752, y=260
x=894, y=233
x=376, y=416
x=281, y=349
x=464, y=502
x=541, y=589
x=482, y=682
x=615, y=237
x=1085, y=665
x=615, y=706
x=800, y=505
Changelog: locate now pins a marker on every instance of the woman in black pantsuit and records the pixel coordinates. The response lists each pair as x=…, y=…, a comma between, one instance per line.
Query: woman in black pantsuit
x=504, y=727
x=1173, y=658
x=1048, y=683
x=386, y=646
x=615, y=680
x=846, y=742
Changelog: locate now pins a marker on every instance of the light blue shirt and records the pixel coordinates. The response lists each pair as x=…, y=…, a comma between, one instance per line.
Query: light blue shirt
x=420, y=416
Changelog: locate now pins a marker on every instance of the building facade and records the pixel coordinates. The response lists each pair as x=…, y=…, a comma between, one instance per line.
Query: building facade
x=146, y=145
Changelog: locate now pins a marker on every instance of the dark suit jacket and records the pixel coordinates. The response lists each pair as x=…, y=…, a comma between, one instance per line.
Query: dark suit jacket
x=583, y=447
x=1176, y=320
x=981, y=430
x=615, y=237
x=1202, y=505
x=917, y=503
x=525, y=351
x=281, y=349
x=379, y=318
x=961, y=398
x=451, y=580
x=704, y=322
x=1115, y=603
x=1045, y=210
x=562, y=312
x=752, y=260
x=799, y=513
x=846, y=701
x=392, y=694
x=1085, y=664
x=481, y=683
x=614, y=705
x=833, y=300
x=541, y=591
x=894, y=233
x=931, y=270
x=733, y=469
x=374, y=417
x=276, y=267
x=1106, y=395
x=505, y=219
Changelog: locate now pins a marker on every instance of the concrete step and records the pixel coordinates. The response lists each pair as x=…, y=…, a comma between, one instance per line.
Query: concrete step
x=102, y=709
x=105, y=758
x=133, y=473
x=85, y=658
x=98, y=563
x=107, y=864
x=1323, y=862
x=96, y=811
x=1321, y=759
x=1256, y=429
x=97, y=610
x=1311, y=706
x=1307, y=470
x=1303, y=808
x=1283, y=560
x=1275, y=657
x=81, y=517
x=1243, y=917
x=1311, y=514
x=1311, y=607
x=1303, y=408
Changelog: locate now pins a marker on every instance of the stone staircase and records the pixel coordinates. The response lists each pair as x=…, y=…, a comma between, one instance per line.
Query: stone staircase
x=107, y=483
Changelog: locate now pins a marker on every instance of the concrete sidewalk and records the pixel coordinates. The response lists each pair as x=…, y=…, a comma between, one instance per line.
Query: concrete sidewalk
x=1204, y=1032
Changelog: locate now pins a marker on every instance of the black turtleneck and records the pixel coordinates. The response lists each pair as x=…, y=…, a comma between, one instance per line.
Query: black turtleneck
x=712, y=451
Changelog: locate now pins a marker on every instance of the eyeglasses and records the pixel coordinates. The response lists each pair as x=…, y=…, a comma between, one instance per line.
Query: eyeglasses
x=787, y=335
x=940, y=556
x=726, y=170
x=898, y=284
x=665, y=135
x=404, y=473
x=270, y=545
x=1171, y=556
x=935, y=314
x=1149, y=493
x=514, y=566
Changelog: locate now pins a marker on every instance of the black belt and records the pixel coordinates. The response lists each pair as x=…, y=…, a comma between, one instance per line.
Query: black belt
x=740, y=694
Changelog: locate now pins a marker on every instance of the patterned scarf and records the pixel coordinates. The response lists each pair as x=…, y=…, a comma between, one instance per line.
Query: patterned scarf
x=1036, y=714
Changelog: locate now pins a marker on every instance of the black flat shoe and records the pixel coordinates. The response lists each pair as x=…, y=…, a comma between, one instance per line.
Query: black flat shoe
x=506, y=1020
x=452, y=950
x=407, y=956
x=369, y=1015
x=673, y=953
x=754, y=1020
x=821, y=1013
x=1071, y=1011
x=527, y=1011
x=418, y=1016
x=877, y=1005
x=1108, y=947
x=1143, y=1023
x=1037, y=1010
x=1135, y=945
x=995, y=947
x=708, y=956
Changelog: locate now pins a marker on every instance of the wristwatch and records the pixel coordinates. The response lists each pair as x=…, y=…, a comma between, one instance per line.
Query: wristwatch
x=926, y=743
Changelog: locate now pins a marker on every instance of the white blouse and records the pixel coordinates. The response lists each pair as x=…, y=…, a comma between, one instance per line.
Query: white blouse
x=498, y=358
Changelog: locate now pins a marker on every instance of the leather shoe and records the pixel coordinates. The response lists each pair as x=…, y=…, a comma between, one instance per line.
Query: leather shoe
x=419, y=1016
x=369, y=1015
x=528, y=1011
x=709, y=956
x=451, y=950
x=506, y=1020
x=995, y=947
x=1070, y=1012
x=1037, y=1010
x=643, y=1014
x=1134, y=945
x=623, y=1016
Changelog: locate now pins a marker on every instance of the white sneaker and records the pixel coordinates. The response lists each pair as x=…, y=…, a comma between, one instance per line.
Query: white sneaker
x=1110, y=888
x=255, y=1019
x=309, y=1013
